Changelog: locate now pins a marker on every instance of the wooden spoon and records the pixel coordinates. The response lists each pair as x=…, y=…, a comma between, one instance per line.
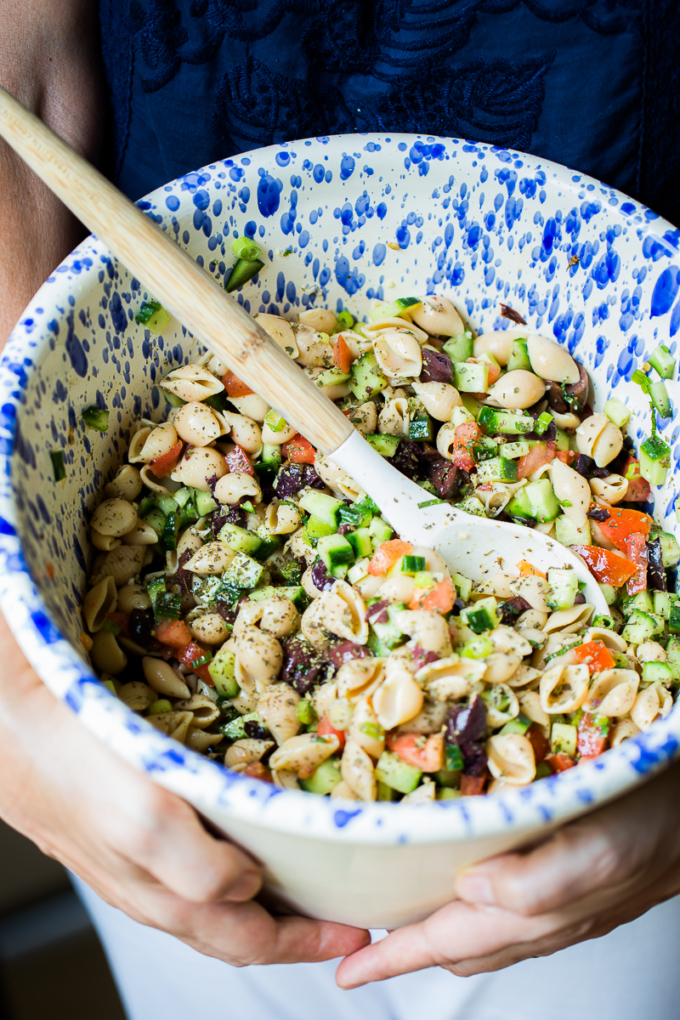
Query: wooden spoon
x=473, y=546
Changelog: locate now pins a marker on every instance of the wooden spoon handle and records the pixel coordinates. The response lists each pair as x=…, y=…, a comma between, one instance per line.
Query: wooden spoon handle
x=174, y=279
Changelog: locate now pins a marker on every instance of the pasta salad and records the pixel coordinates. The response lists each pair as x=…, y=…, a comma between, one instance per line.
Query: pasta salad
x=250, y=601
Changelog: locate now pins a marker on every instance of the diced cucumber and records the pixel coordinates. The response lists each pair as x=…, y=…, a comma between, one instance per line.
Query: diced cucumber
x=243, y=572
x=519, y=357
x=563, y=739
x=477, y=647
x=642, y=627
x=662, y=604
x=183, y=496
x=520, y=724
x=447, y=793
x=380, y=531
x=643, y=601
x=270, y=544
x=653, y=672
x=674, y=618
x=610, y=593
x=236, y=728
x=562, y=588
x=663, y=361
x=660, y=399
x=386, y=636
x=358, y=570
x=562, y=440
x=519, y=506
x=544, y=506
x=335, y=551
x=412, y=564
x=324, y=779
x=296, y=594
x=670, y=550
x=459, y=348
x=205, y=504
x=395, y=309
x=449, y=777
x=361, y=543
x=484, y=448
x=367, y=378
x=463, y=586
x=166, y=503
x=507, y=422
x=482, y=616
x=471, y=404
x=271, y=454
x=385, y=792
x=331, y=377
x=222, y=669
x=471, y=505
x=421, y=429
x=240, y=539
x=169, y=536
x=385, y=445
x=396, y=773
x=655, y=460
x=156, y=518
x=471, y=377
x=567, y=533
x=497, y=469
x=617, y=412
x=326, y=508
x=515, y=450
x=459, y=415
x=316, y=529
x=673, y=655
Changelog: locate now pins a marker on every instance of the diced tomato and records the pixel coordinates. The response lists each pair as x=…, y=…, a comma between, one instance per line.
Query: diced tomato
x=173, y=633
x=605, y=566
x=539, y=742
x=120, y=620
x=327, y=729
x=238, y=460
x=636, y=551
x=560, y=762
x=472, y=786
x=463, y=437
x=638, y=491
x=592, y=734
x=595, y=655
x=299, y=450
x=566, y=456
x=527, y=569
x=234, y=386
x=190, y=654
x=387, y=554
x=256, y=770
x=342, y=356
x=622, y=523
x=413, y=748
x=542, y=453
x=164, y=465
x=439, y=599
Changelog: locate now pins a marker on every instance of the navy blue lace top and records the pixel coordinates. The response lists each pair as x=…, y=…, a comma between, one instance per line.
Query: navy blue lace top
x=593, y=84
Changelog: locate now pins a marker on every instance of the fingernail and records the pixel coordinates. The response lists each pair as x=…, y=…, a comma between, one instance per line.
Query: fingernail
x=475, y=888
x=247, y=886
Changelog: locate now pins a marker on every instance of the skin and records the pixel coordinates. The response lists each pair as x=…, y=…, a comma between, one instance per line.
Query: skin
x=143, y=849
x=139, y=847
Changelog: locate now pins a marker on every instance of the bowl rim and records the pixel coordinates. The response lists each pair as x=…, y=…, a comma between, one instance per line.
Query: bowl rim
x=208, y=786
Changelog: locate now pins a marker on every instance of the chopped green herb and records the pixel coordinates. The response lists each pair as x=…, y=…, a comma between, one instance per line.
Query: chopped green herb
x=430, y=502
x=373, y=730
x=96, y=418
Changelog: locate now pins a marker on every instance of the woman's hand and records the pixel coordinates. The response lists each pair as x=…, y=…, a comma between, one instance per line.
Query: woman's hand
x=590, y=877
x=139, y=847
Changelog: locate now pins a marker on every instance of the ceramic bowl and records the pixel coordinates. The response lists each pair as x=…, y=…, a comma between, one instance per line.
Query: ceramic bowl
x=342, y=220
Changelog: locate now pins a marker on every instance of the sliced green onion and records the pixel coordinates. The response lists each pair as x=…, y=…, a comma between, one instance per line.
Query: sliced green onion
x=343, y=321
x=58, y=465
x=242, y=271
x=372, y=729
x=394, y=309
x=275, y=422
x=306, y=713
x=146, y=311
x=641, y=380
x=542, y=422
x=663, y=361
x=153, y=316
x=660, y=399
x=430, y=502
x=167, y=606
x=202, y=660
x=245, y=248
x=477, y=648
x=96, y=418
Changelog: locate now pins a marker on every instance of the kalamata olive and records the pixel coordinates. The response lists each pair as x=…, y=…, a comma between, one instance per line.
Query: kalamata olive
x=423, y=657
x=579, y=599
x=377, y=613
x=256, y=730
x=598, y=513
x=576, y=394
x=556, y=398
x=475, y=760
x=293, y=477
x=509, y=313
x=444, y=477
x=513, y=609
x=344, y=651
x=458, y=607
x=182, y=578
x=320, y=576
x=227, y=514
x=140, y=626
x=407, y=459
x=656, y=572
x=303, y=665
x=466, y=723
x=583, y=464
x=437, y=367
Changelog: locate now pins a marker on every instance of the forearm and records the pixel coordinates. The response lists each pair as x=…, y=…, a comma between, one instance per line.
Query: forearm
x=48, y=60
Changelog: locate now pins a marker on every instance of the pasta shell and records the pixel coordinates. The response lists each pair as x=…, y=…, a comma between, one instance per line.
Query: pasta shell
x=655, y=702
x=365, y=729
x=198, y=425
x=314, y=350
x=430, y=719
x=500, y=666
x=609, y=638
x=137, y=444
x=260, y=656
x=498, y=343
x=164, y=679
x=567, y=621
x=423, y=794
x=278, y=709
x=133, y=596
x=210, y=628
x=141, y=534
x=572, y=491
x=506, y=639
x=564, y=688
x=122, y=564
x=438, y=398
x=198, y=466
x=323, y=320
x=394, y=418
x=534, y=589
x=608, y=445
x=398, y=699
x=450, y=678
x=281, y=518
x=251, y=406
x=398, y=353
x=357, y=771
x=429, y=630
x=378, y=326
x=199, y=740
x=114, y=518
x=342, y=612
x=588, y=432
x=205, y=711
x=304, y=753
x=342, y=792
x=624, y=730
x=192, y=382
x=551, y=361
x=438, y=316
x=511, y=758
x=99, y=601
x=613, y=693
x=237, y=485
x=522, y=676
x=174, y=724
x=137, y=696
x=281, y=332
x=501, y=704
x=359, y=677
x=530, y=704
x=286, y=780
x=246, y=751
x=517, y=390
x=611, y=489
x=211, y=558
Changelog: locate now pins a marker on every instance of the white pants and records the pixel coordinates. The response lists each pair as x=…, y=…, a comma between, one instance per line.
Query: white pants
x=629, y=974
